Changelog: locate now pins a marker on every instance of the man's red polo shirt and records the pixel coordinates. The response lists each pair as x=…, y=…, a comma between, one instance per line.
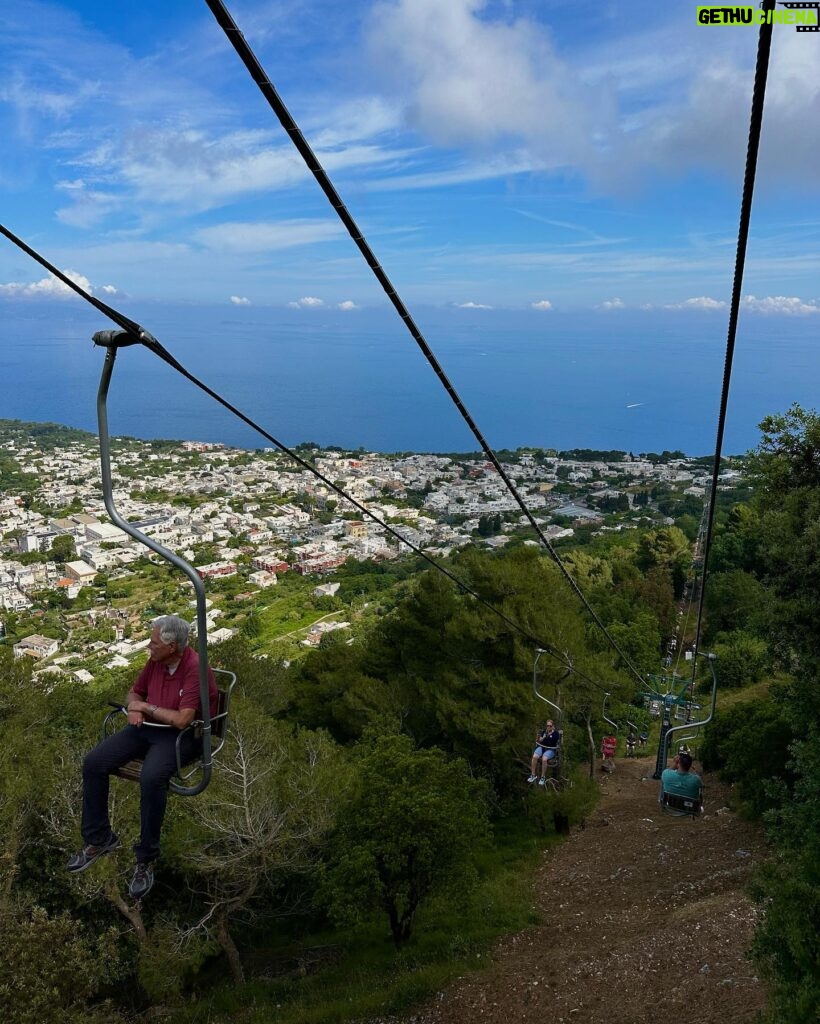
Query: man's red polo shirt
x=177, y=691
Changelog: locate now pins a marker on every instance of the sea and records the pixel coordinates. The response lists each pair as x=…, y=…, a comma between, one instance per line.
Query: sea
x=635, y=381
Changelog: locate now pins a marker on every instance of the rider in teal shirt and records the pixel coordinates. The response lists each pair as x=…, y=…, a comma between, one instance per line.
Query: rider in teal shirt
x=680, y=779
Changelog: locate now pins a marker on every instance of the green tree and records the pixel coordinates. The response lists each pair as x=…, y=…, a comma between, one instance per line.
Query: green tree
x=785, y=472
x=742, y=658
x=640, y=640
x=785, y=469
x=663, y=548
x=261, y=820
x=62, y=548
x=737, y=540
x=252, y=626
x=749, y=744
x=411, y=826
x=787, y=942
x=734, y=600
x=688, y=525
x=52, y=967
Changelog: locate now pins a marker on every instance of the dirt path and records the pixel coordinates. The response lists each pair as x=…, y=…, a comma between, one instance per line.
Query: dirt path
x=650, y=922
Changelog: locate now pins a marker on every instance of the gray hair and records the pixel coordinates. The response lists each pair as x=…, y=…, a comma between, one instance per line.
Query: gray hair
x=173, y=629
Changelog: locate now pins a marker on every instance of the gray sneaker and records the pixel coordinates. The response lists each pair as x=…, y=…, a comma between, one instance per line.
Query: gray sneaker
x=141, y=882
x=89, y=854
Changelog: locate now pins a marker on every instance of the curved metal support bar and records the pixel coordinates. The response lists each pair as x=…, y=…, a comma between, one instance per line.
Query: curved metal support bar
x=609, y=721
x=559, y=714
x=711, y=658
x=111, y=340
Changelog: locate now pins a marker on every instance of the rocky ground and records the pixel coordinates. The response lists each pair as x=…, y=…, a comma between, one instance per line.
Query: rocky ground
x=646, y=919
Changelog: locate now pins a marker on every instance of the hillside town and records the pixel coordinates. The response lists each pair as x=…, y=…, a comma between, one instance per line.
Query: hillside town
x=248, y=520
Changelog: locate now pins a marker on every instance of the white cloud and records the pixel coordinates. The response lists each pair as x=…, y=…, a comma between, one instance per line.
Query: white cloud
x=240, y=300
x=472, y=305
x=264, y=237
x=788, y=305
x=89, y=205
x=348, y=304
x=48, y=287
x=202, y=170
x=544, y=305
x=468, y=77
x=612, y=304
x=308, y=302
x=700, y=302
x=704, y=122
x=362, y=118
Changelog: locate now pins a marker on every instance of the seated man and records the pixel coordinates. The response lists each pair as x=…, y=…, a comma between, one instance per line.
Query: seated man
x=680, y=780
x=166, y=693
x=549, y=746
x=546, y=746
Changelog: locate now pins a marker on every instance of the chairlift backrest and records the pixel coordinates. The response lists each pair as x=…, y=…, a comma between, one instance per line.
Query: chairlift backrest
x=681, y=806
x=219, y=722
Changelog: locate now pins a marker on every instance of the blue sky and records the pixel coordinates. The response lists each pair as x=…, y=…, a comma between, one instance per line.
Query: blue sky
x=518, y=155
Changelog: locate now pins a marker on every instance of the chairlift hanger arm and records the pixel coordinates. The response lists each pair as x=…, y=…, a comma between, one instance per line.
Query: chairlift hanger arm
x=559, y=713
x=609, y=721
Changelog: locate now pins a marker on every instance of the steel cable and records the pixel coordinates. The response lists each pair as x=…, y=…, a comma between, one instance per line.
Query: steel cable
x=266, y=87
x=764, y=47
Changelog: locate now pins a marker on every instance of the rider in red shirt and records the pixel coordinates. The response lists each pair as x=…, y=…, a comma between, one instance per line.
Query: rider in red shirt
x=163, y=701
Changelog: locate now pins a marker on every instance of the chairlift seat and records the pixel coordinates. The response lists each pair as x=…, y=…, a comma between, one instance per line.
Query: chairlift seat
x=132, y=770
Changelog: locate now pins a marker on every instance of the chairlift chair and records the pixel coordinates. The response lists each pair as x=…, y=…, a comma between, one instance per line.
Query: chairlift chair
x=609, y=743
x=206, y=727
x=631, y=739
x=558, y=780
x=219, y=731
x=674, y=803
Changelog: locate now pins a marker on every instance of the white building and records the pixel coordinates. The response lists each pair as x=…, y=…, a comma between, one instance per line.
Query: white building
x=36, y=646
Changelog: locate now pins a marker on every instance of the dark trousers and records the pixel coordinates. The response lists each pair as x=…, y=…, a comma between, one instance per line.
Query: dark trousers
x=158, y=748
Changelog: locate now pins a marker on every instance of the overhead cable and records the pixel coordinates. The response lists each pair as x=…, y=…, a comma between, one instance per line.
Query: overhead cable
x=764, y=46
x=266, y=87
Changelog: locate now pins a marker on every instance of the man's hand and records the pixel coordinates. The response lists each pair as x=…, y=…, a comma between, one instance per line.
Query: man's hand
x=135, y=718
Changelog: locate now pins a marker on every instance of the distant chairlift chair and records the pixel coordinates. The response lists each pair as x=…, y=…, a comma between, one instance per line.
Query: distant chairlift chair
x=556, y=779
x=674, y=803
